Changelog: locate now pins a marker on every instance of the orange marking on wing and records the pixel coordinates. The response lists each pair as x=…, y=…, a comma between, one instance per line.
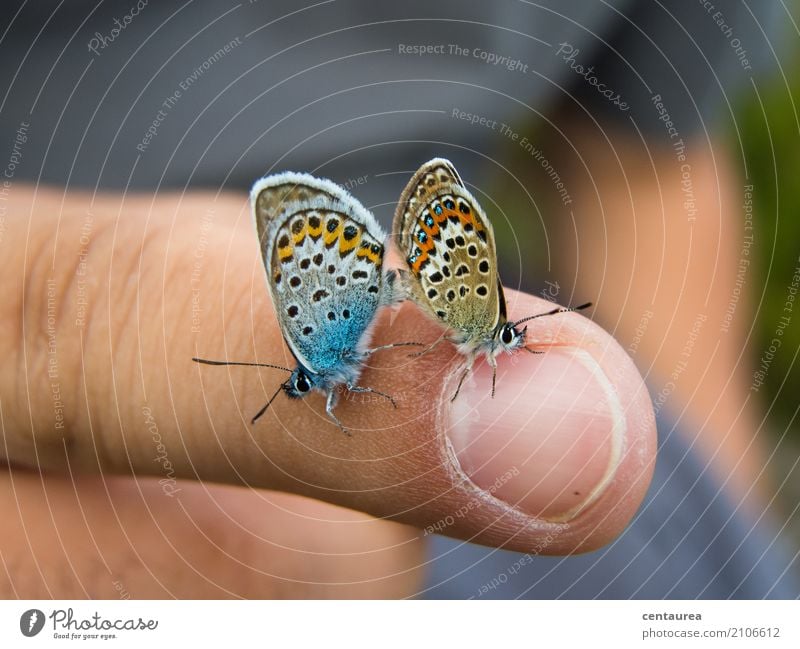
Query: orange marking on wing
x=314, y=232
x=298, y=238
x=374, y=257
x=346, y=246
x=425, y=247
x=421, y=259
x=330, y=237
x=439, y=218
x=431, y=231
x=478, y=225
x=463, y=218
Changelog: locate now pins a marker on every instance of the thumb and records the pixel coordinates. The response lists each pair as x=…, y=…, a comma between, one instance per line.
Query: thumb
x=558, y=461
x=562, y=453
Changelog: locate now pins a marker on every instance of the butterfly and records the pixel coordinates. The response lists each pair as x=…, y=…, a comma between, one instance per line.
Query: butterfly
x=323, y=256
x=448, y=244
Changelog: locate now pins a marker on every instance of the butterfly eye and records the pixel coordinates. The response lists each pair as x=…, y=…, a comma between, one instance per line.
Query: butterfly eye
x=507, y=336
x=301, y=384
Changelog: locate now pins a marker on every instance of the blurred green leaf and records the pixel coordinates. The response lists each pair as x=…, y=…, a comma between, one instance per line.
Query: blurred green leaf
x=768, y=123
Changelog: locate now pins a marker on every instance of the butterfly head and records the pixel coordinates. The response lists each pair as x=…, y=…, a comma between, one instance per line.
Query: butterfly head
x=300, y=383
x=510, y=337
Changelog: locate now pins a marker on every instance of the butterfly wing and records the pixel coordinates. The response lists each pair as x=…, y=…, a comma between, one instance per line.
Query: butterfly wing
x=448, y=243
x=323, y=254
x=429, y=179
x=270, y=195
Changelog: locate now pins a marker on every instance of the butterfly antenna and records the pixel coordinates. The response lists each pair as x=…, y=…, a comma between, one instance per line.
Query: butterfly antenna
x=269, y=403
x=553, y=312
x=207, y=362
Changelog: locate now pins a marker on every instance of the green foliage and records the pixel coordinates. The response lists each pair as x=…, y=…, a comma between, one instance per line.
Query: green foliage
x=768, y=121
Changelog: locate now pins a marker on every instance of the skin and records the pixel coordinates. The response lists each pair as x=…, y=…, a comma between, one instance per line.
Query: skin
x=640, y=253
x=290, y=507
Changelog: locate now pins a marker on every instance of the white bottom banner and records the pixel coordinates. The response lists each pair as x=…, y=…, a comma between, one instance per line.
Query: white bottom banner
x=398, y=623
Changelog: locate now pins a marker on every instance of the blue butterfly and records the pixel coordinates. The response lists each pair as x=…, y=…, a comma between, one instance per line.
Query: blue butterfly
x=323, y=255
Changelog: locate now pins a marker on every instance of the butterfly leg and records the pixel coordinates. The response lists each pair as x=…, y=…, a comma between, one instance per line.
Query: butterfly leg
x=330, y=404
x=382, y=347
x=358, y=388
x=493, y=363
x=464, y=375
x=430, y=348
